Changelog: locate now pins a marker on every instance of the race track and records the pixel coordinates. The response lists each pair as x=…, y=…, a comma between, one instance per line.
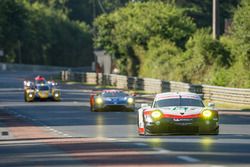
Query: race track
x=66, y=133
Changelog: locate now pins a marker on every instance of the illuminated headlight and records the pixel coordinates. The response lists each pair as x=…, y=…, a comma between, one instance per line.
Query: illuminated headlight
x=130, y=100
x=207, y=113
x=28, y=84
x=56, y=95
x=156, y=114
x=30, y=95
x=99, y=100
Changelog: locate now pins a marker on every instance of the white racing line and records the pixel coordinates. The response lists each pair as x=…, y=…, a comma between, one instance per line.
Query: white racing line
x=18, y=115
x=165, y=151
x=158, y=150
x=188, y=159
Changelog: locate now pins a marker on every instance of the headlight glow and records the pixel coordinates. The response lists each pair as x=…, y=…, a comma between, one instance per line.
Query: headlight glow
x=130, y=100
x=56, y=95
x=99, y=100
x=30, y=95
x=207, y=113
x=156, y=114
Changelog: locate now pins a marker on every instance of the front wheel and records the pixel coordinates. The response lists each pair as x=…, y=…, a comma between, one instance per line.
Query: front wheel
x=213, y=132
x=25, y=97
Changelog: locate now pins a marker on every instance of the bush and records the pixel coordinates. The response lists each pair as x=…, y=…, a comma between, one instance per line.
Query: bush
x=120, y=32
x=203, y=56
x=158, y=60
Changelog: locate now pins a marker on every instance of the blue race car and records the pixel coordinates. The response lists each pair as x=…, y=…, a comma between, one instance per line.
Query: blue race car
x=112, y=100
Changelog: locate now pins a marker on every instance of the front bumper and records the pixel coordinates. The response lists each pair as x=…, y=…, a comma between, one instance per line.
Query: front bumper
x=115, y=107
x=187, y=126
x=48, y=96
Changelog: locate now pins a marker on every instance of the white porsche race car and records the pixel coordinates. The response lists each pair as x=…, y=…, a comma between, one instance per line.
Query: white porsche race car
x=177, y=113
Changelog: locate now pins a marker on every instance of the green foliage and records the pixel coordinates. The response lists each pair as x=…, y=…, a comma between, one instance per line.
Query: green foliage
x=149, y=38
x=38, y=34
x=159, y=59
x=238, y=43
x=136, y=24
x=203, y=57
x=13, y=20
x=201, y=10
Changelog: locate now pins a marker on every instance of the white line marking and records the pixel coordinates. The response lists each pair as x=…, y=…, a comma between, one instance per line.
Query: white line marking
x=140, y=144
x=188, y=159
x=161, y=150
x=111, y=139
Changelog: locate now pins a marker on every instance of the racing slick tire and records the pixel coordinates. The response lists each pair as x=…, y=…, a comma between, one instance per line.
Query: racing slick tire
x=146, y=131
x=25, y=98
x=96, y=110
x=214, y=132
x=56, y=100
x=130, y=110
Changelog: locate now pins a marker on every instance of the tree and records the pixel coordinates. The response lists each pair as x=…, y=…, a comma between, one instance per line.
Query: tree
x=12, y=27
x=238, y=43
x=36, y=33
x=135, y=24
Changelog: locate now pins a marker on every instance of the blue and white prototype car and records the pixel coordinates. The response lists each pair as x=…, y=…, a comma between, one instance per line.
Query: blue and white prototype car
x=178, y=113
x=112, y=100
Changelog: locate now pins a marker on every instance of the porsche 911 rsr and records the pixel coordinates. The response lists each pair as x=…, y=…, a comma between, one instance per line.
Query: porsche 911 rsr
x=177, y=113
x=41, y=89
x=111, y=100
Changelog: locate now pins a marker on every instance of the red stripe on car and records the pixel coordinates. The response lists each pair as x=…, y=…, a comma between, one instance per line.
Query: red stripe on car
x=181, y=116
x=141, y=130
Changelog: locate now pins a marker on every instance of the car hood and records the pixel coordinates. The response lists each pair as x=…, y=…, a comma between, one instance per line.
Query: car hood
x=115, y=98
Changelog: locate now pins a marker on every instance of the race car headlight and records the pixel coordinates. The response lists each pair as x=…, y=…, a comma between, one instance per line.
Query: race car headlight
x=30, y=95
x=56, y=94
x=99, y=100
x=130, y=100
x=156, y=114
x=207, y=113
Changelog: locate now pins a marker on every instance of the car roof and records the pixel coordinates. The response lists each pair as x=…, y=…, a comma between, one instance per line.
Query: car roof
x=171, y=95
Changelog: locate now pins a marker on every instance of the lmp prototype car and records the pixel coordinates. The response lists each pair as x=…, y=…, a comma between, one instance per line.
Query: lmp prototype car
x=41, y=89
x=111, y=100
x=177, y=113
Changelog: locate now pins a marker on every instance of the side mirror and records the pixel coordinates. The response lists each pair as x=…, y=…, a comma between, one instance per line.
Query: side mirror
x=145, y=105
x=211, y=105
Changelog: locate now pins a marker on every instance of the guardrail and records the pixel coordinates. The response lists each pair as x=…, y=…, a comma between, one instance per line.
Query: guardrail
x=211, y=93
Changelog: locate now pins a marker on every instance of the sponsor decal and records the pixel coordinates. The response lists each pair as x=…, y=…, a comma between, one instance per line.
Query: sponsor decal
x=182, y=120
x=182, y=116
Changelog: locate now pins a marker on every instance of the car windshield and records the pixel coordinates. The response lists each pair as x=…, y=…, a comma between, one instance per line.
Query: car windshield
x=40, y=81
x=179, y=102
x=114, y=94
x=43, y=87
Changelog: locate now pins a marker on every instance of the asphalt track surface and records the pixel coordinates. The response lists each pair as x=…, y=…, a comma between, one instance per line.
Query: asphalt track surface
x=67, y=134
